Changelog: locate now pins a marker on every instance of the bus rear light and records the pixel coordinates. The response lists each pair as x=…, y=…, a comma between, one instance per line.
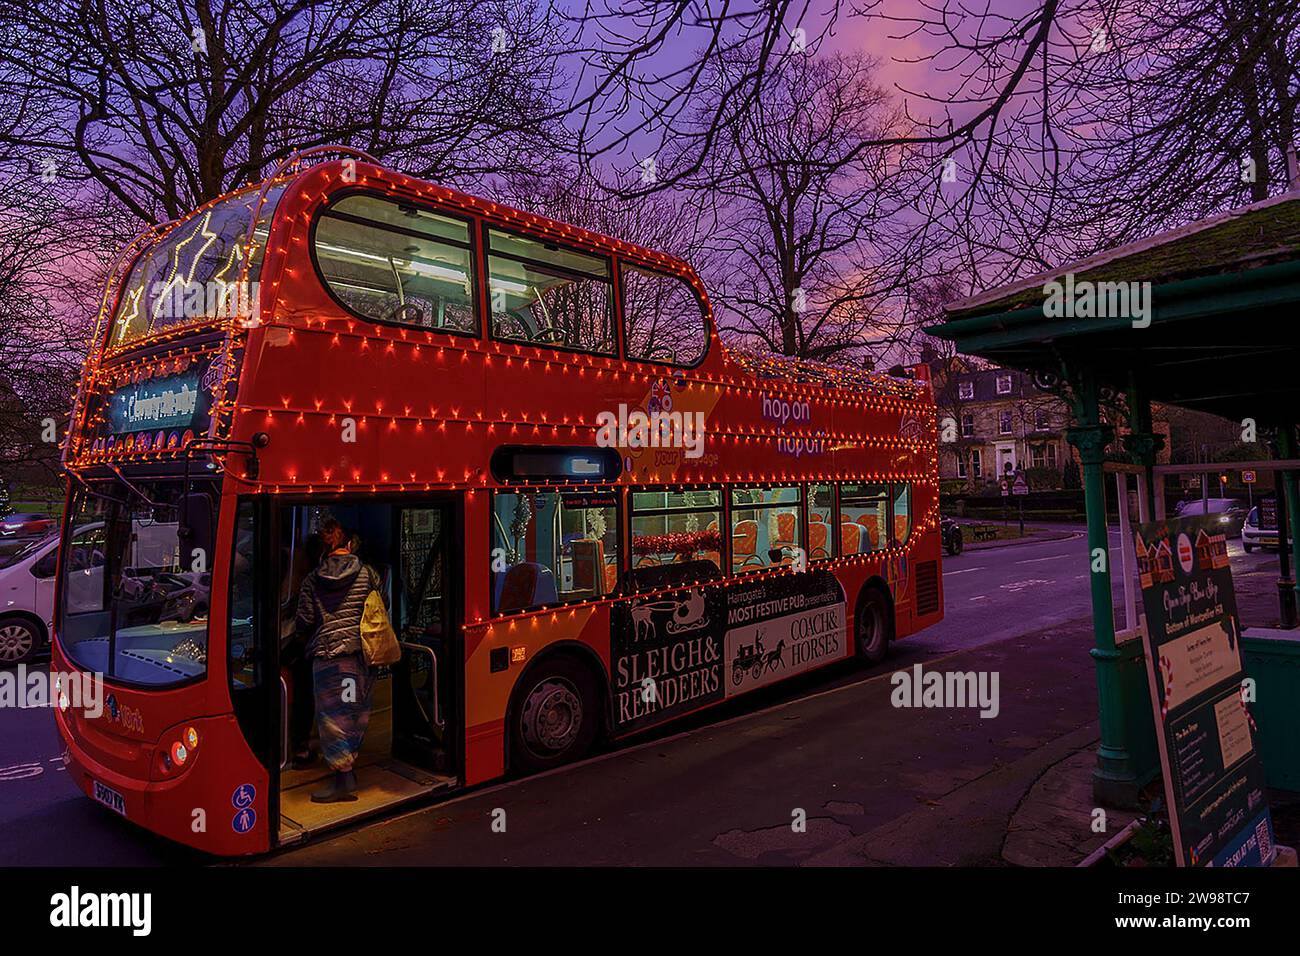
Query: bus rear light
x=191, y=738
x=179, y=754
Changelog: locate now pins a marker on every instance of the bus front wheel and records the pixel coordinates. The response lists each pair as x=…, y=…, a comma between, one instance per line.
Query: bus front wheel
x=874, y=626
x=556, y=716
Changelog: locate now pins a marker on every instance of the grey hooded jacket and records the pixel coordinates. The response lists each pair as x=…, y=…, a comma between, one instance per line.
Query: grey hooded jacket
x=331, y=603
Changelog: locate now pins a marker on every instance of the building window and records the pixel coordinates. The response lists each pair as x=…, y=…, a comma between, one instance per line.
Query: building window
x=976, y=464
x=1004, y=384
x=1040, y=419
x=961, y=466
x=968, y=426
x=544, y=294
x=1051, y=456
x=965, y=390
x=1037, y=456
x=1004, y=422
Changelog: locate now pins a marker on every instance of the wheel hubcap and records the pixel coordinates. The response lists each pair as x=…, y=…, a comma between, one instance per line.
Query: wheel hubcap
x=552, y=717
x=16, y=642
x=872, y=632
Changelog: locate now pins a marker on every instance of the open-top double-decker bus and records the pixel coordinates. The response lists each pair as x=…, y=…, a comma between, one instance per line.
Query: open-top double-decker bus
x=588, y=517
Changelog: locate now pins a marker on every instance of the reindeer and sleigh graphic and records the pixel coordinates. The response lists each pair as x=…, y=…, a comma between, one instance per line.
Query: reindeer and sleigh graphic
x=685, y=615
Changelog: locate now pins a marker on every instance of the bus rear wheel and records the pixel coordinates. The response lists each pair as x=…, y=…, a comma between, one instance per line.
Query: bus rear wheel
x=873, y=626
x=556, y=716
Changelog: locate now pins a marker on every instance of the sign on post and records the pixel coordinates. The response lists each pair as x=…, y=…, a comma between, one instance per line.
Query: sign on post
x=1247, y=477
x=1021, y=487
x=1214, y=782
x=1002, y=484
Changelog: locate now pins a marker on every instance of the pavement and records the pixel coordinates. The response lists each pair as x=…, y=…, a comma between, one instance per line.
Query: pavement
x=841, y=776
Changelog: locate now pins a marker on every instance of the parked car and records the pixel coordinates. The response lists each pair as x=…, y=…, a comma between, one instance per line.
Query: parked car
x=951, y=532
x=26, y=524
x=1253, y=536
x=27, y=590
x=1230, y=512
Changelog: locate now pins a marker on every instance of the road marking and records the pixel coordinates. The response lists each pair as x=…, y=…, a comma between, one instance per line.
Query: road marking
x=21, y=771
x=1052, y=557
x=963, y=571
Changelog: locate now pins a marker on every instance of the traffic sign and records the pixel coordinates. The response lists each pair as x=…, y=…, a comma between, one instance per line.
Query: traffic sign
x=1248, y=477
x=1021, y=487
x=1003, y=485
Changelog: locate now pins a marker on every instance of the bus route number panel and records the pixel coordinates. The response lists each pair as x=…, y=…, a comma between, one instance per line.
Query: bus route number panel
x=674, y=653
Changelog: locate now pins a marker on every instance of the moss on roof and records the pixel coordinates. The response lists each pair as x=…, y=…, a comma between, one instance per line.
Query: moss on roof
x=1253, y=237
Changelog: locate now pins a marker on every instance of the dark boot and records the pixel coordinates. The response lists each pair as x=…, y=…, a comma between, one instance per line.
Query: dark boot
x=341, y=789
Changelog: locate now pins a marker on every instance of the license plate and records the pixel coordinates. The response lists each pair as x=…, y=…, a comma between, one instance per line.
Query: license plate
x=109, y=797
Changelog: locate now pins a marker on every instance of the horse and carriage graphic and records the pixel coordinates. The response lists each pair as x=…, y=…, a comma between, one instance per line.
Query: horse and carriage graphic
x=756, y=659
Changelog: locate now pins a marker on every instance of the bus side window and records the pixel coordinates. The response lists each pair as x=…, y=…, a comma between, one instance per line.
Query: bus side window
x=676, y=535
x=864, y=517
x=902, y=529
x=822, y=523
x=663, y=318
x=542, y=294
x=764, y=527
x=553, y=548
x=398, y=263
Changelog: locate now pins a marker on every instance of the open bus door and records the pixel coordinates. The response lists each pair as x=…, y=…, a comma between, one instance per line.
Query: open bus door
x=411, y=745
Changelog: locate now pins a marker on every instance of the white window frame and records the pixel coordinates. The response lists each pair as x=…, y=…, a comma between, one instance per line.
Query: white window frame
x=977, y=463
x=998, y=384
x=1010, y=423
x=967, y=419
x=965, y=390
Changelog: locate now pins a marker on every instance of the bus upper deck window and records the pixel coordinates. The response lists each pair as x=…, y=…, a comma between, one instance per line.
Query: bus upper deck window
x=547, y=295
x=663, y=318
x=396, y=262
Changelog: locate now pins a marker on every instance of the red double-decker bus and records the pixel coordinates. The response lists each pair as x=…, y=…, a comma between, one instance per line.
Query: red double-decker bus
x=586, y=516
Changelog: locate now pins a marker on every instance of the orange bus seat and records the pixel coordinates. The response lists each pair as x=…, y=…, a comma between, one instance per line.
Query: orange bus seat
x=819, y=540
x=850, y=537
x=744, y=543
x=588, y=560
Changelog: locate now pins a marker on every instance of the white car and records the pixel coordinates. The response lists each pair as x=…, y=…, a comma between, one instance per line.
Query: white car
x=1253, y=536
x=27, y=590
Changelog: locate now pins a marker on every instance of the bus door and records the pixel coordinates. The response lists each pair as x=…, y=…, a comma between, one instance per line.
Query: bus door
x=410, y=745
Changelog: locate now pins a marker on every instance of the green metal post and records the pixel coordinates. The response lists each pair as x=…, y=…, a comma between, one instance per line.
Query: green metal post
x=1286, y=447
x=1117, y=777
x=1142, y=443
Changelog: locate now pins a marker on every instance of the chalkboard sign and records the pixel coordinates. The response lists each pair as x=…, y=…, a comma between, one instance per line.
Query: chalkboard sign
x=1214, y=782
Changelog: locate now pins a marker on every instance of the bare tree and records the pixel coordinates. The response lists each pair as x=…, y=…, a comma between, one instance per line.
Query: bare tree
x=164, y=104
x=808, y=213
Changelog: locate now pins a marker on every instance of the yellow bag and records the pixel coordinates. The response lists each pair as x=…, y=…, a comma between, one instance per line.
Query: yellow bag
x=378, y=640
